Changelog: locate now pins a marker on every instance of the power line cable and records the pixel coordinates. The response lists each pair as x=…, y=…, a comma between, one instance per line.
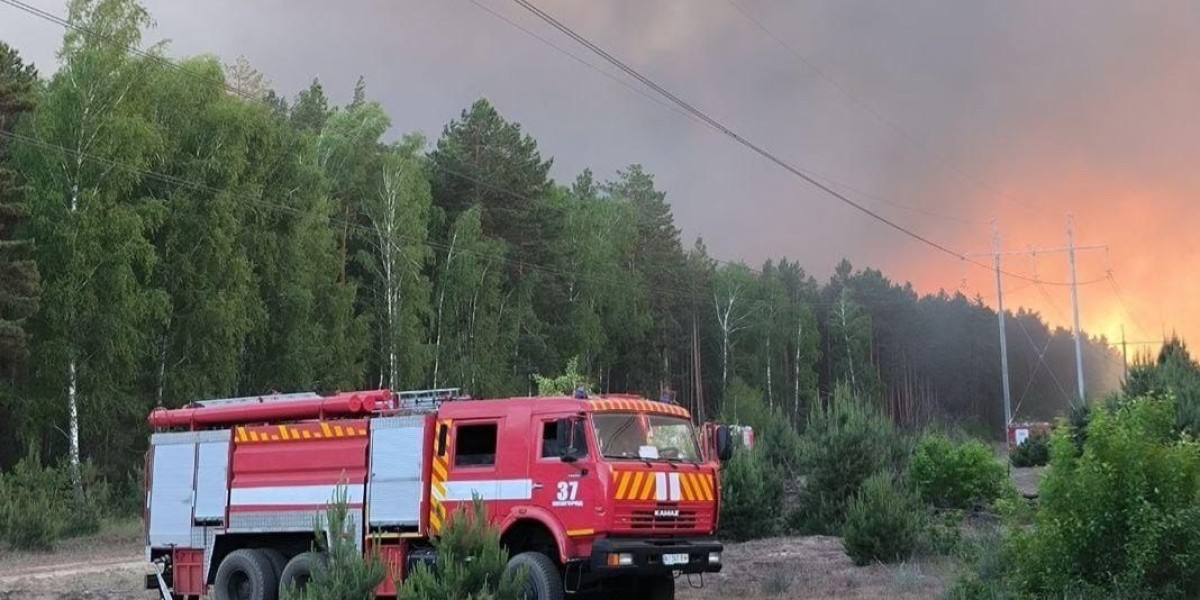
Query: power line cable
x=1116, y=287
x=675, y=109
x=866, y=107
x=757, y=149
x=580, y=60
x=1053, y=377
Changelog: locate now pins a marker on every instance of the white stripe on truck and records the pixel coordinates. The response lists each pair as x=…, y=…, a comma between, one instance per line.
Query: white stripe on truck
x=489, y=489
x=319, y=495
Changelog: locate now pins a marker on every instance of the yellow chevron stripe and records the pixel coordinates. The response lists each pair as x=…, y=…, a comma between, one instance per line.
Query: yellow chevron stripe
x=622, y=483
x=648, y=488
x=685, y=480
x=709, y=487
x=635, y=487
x=325, y=429
x=306, y=433
x=439, y=489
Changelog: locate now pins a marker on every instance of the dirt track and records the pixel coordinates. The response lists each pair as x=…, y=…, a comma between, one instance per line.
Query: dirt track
x=107, y=566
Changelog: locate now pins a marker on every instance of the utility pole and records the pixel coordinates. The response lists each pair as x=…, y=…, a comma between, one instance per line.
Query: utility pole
x=1124, y=356
x=996, y=254
x=1075, y=305
x=1003, y=336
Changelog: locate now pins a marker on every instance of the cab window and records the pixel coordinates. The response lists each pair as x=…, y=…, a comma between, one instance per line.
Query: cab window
x=557, y=436
x=475, y=445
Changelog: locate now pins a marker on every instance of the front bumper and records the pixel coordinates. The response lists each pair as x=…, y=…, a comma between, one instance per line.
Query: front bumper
x=646, y=556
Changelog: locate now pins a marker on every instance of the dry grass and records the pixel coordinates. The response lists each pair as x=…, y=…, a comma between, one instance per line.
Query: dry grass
x=816, y=568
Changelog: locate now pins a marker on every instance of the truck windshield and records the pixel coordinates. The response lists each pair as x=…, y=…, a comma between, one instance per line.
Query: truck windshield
x=640, y=436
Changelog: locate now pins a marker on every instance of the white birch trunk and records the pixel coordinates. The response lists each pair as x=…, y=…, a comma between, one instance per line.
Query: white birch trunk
x=846, y=336
x=796, y=366
x=437, y=344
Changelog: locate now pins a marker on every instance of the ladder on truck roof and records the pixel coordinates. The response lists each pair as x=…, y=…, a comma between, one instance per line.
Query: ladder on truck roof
x=306, y=405
x=408, y=400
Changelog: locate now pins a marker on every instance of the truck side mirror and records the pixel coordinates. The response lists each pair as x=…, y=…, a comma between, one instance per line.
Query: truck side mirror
x=724, y=443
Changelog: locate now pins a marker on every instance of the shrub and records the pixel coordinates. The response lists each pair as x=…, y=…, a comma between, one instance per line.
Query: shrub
x=949, y=475
x=780, y=444
x=843, y=445
x=943, y=535
x=345, y=573
x=1123, y=514
x=32, y=505
x=1033, y=452
x=883, y=522
x=751, y=497
x=85, y=513
x=470, y=563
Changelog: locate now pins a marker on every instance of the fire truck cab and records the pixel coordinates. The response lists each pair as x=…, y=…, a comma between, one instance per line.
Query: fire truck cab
x=615, y=494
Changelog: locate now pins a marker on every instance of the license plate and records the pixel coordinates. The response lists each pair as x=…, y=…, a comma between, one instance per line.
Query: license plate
x=675, y=559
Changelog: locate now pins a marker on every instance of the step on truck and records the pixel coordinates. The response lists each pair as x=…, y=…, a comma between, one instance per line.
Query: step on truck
x=616, y=495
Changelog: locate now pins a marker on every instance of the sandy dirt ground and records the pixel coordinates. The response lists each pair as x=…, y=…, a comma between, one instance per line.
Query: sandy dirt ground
x=108, y=566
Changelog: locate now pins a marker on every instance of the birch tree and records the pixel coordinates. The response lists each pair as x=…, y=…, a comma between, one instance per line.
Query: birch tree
x=397, y=223
x=90, y=227
x=732, y=290
x=850, y=333
x=470, y=350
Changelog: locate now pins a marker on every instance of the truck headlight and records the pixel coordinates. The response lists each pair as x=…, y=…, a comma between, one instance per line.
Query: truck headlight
x=622, y=559
x=714, y=558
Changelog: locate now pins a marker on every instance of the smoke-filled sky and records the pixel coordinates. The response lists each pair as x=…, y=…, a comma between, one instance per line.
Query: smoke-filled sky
x=940, y=114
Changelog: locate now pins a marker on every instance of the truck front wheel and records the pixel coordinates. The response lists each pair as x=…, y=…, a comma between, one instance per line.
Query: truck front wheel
x=661, y=587
x=245, y=575
x=542, y=579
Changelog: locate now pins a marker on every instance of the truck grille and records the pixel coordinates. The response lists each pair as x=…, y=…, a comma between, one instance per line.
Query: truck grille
x=663, y=518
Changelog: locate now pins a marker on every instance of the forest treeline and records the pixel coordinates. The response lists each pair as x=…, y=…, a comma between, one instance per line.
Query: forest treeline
x=177, y=230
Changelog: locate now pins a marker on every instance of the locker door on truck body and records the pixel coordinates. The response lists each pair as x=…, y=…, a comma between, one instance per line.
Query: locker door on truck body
x=173, y=473
x=397, y=483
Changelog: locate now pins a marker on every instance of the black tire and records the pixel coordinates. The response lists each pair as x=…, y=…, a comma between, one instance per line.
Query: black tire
x=661, y=587
x=278, y=562
x=299, y=570
x=245, y=575
x=543, y=581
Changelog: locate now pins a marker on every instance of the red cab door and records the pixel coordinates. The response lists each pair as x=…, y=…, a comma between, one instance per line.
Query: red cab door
x=563, y=472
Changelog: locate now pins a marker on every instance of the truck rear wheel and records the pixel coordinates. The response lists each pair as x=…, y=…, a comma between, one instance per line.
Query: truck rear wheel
x=278, y=561
x=542, y=580
x=298, y=571
x=245, y=575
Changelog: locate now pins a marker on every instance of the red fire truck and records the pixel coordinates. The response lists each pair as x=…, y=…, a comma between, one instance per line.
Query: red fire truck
x=615, y=494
